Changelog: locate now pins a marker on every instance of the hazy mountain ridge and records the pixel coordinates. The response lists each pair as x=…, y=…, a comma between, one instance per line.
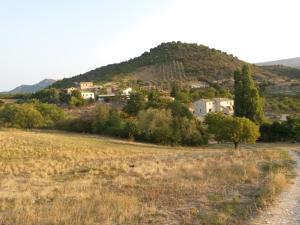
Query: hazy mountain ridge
x=32, y=88
x=291, y=72
x=291, y=62
x=172, y=61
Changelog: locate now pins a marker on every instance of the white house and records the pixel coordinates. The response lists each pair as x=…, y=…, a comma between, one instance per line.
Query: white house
x=127, y=91
x=205, y=106
x=88, y=95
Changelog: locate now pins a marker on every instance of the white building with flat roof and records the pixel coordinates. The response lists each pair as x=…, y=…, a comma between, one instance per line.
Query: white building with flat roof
x=205, y=106
x=87, y=95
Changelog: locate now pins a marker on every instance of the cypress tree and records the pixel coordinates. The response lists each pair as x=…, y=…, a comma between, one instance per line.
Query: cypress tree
x=247, y=101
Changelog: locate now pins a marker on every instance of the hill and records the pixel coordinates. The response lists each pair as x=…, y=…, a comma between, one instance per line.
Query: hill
x=172, y=61
x=292, y=62
x=283, y=70
x=32, y=88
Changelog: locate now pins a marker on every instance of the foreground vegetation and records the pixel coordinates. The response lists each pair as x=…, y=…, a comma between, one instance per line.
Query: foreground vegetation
x=63, y=178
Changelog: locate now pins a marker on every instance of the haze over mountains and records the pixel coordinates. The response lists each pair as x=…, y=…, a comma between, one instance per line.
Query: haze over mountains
x=23, y=89
x=292, y=62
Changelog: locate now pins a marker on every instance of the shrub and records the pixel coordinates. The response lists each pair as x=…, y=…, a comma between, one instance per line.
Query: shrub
x=154, y=125
x=52, y=114
x=232, y=129
x=281, y=131
x=21, y=116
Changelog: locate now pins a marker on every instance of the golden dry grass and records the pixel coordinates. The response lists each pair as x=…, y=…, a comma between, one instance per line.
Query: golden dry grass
x=63, y=178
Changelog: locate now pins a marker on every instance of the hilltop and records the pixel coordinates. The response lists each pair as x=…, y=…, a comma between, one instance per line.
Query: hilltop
x=292, y=62
x=32, y=88
x=173, y=61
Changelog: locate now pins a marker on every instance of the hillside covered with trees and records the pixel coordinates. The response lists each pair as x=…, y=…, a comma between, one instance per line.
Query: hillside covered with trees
x=172, y=61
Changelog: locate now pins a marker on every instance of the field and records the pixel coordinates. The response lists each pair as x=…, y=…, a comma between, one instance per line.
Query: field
x=62, y=178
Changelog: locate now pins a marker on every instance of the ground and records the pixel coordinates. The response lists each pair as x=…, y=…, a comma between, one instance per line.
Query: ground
x=63, y=178
x=286, y=209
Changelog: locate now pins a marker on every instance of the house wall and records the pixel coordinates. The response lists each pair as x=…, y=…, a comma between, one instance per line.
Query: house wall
x=88, y=95
x=86, y=85
x=225, y=106
x=203, y=107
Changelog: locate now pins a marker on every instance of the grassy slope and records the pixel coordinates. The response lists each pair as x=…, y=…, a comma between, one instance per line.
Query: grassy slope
x=169, y=62
x=60, y=178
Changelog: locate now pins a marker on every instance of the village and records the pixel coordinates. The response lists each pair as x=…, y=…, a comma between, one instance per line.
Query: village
x=107, y=94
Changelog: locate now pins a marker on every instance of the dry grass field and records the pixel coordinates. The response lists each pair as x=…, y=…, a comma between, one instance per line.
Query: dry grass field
x=71, y=179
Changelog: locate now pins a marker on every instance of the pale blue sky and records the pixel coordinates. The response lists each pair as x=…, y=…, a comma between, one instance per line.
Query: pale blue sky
x=61, y=38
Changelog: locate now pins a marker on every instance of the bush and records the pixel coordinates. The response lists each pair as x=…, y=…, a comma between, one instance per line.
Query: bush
x=108, y=121
x=52, y=114
x=191, y=132
x=232, y=129
x=155, y=125
x=30, y=115
x=135, y=104
x=21, y=116
x=81, y=125
x=281, y=131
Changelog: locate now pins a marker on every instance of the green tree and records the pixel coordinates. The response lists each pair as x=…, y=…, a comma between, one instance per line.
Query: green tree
x=191, y=132
x=135, y=104
x=180, y=110
x=101, y=117
x=174, y=90
x=232, y=129
x=76, y=99
x=21, y=116
x=183, y=96
x=247, y=102
x=114, y=124
x=49, y=95
x=214, y=123
x=154, y=100
x=52, y=114
x=155, y=125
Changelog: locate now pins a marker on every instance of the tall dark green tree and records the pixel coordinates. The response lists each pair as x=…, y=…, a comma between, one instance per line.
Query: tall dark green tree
x=135, y=104
x=247, y=102
x=174, y=90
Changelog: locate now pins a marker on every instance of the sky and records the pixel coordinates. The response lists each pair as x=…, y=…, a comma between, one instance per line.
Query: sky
x=62, y=38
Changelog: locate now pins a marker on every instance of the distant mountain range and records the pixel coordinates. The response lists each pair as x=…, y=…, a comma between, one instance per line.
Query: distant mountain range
x=292, y=62
x=172, y=61
x=23, y=89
